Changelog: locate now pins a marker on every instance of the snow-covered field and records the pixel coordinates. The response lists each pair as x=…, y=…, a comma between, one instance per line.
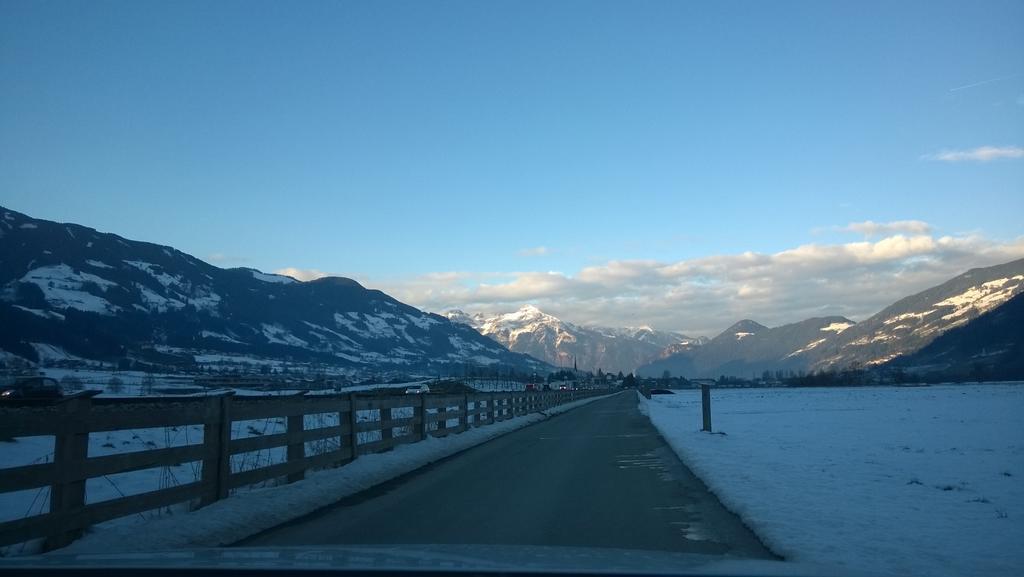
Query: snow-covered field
x=886, y=480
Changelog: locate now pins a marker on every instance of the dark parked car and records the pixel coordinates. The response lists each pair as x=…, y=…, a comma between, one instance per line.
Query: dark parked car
x=28, y=388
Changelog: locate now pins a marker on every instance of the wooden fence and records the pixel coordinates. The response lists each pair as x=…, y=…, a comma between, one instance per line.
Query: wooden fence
x=363, y=425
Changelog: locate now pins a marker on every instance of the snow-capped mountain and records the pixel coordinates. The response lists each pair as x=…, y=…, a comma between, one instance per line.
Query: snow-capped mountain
x=915, y=321
x=534, y=332
x=903, y=328
x=742, y=330
x=991, y=347
x=646, y=334
x=748, y=348
x=70, y=291
x=457, y=316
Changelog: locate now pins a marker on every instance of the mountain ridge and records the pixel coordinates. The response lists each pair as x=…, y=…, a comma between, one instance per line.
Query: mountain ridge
x=746, y=348
x=991, y=347
x=900, y=329
x=912, y=322
x=561, y=343
x=70, y=289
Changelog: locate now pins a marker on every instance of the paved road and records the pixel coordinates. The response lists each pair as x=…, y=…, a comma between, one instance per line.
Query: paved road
x=596, y=476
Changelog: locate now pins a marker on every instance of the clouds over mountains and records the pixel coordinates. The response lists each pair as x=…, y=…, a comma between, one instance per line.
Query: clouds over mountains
x=701, y=296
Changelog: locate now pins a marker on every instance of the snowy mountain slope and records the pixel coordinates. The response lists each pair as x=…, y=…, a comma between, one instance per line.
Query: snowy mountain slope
x=908, y=325
x=989, y=347
x=748, y=348
x=74, y=291
x=913, y=322
x=529, y=330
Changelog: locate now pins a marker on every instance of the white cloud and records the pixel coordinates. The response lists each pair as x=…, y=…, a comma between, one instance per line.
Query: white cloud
x=980, y=154
x=705, y=295
x=702, y=296
x=870, y=228
x=526, y=286
x=535, y=251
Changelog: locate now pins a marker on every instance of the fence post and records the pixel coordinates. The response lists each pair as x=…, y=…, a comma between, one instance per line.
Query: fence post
x=442, y=416
x=465, y=411
x=296, y=448
x=70, y=450
x=386, y=430
x=353, y=433
x=421, y=410
x=705, y=405
x=216, y=440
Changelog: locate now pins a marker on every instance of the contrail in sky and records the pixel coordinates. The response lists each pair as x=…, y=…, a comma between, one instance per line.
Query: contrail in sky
x=989, y=81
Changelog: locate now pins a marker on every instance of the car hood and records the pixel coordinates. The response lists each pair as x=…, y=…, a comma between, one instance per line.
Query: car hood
x=429, y=558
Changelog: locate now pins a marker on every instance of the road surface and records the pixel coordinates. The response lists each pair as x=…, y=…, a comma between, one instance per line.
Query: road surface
x=596, y=476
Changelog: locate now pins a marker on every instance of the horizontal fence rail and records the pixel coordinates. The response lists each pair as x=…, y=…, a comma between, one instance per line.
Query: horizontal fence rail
x=351, y=425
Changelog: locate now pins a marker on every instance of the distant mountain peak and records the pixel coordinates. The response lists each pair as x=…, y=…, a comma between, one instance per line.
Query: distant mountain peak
x=531, y=312
x=741, y=330
x=530, y=330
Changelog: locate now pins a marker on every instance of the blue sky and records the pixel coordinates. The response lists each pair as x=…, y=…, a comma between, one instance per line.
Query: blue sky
x=430, y=148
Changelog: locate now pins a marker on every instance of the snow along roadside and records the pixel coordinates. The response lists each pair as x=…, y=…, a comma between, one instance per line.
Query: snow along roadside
x=245, y=514
x=873, y=480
